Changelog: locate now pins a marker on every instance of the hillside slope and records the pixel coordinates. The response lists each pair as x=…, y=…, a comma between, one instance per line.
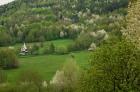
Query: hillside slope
x=41, y=20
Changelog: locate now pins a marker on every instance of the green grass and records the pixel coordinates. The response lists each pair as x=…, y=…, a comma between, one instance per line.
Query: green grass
x=46, y=65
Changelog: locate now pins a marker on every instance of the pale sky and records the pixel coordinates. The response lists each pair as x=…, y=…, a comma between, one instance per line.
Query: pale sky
x=2, y=2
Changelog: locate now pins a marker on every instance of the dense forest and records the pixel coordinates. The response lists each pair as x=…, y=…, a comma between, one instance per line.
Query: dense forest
x=108, y=30
x=41, y=20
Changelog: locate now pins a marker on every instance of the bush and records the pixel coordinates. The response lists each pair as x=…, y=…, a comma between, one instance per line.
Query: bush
x=45, y=50
x=31, y=80
x=66, y=79
x=5, y=39
x=61, y=50
x=3, y=76
x=8, y=88
x=8, y=59
x=50, y=49
x=81, y=43
x=35, y=49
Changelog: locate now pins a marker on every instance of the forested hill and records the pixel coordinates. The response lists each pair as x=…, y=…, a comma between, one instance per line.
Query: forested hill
x=41, y=20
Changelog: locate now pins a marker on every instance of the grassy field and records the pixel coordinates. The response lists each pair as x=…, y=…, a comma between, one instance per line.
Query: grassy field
x=46, y=65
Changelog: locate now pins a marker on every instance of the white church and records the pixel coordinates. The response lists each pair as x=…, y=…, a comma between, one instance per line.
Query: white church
x=24, y=50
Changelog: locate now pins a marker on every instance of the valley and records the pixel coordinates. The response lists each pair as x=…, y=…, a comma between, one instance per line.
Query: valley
x=69, y=46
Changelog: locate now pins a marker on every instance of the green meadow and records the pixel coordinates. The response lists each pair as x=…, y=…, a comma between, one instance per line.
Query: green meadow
x=47, y=65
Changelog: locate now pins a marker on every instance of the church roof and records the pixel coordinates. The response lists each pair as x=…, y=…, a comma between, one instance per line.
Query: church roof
x=24, y=47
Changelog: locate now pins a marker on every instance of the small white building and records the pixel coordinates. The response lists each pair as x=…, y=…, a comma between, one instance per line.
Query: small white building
x=24, y=50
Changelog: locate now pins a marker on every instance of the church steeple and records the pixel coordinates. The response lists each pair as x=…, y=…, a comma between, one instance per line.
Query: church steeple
x=24, y=49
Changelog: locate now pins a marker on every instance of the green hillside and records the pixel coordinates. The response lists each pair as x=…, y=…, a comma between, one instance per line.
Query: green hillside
x=70, y=46
x=43, y=20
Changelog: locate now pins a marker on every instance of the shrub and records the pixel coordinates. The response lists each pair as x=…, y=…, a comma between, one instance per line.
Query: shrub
x=45, y=50
x=61, y=50
x=32, y=79
x=8, y=59
x=66, y=79
x=50, y=49
x=3, y=76
x=81, y=43
x=5, y=39
x=9, y=88
x=35, y=49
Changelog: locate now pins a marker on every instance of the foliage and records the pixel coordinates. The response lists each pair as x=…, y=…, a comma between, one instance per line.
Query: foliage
x=61, y=50
x=81, y=43
x=100, y=6
x=50, y=49
x=66, y=79
x=43, y=20
x=34, y=50
x=30, y=78
x=5, y=39
x=114, y=68
x=132, y=30
x=8, y=59
x=3, y=76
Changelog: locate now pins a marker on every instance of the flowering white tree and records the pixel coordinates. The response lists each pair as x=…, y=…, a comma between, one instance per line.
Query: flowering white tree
x=132, y=31
x=58, y=78
x=62, y=34
x=67, y=77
